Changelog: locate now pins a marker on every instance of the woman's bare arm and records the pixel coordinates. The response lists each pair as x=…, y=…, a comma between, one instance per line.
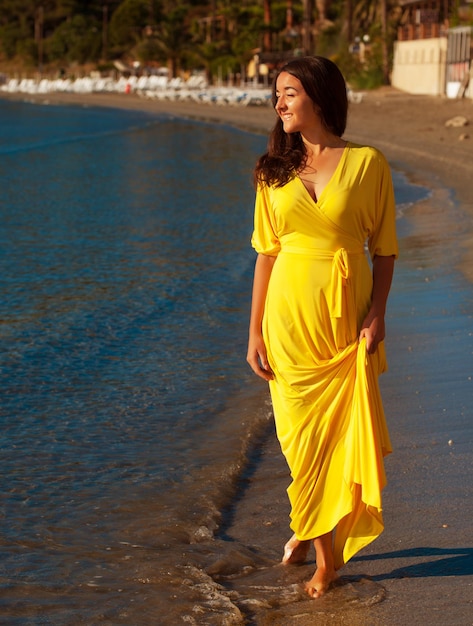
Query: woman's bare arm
x=257, y=357
x=373, y=327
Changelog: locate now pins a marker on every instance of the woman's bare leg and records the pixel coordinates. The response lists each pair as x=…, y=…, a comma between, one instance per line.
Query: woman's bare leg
x=295, y=551
x=325, y=574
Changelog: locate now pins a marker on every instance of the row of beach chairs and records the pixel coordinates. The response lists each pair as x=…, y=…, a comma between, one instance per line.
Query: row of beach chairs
x=195, y=89
x=152, y=87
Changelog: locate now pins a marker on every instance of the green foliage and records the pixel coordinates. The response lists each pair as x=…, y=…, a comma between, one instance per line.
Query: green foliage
x=359, y=75
x=28, y=51
x=218, y=36
x=148, y=51
x=366, y=74
x=77, y=40
x=223, y=66
x=278, y=16
x=172, y=37
x=10, y=36
x=330, y=42
x=243, y=44
x=248, y=34
x=128, y=23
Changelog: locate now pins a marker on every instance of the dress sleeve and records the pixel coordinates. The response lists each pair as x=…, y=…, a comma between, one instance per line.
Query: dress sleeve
x=265, y=239
x=383, y=240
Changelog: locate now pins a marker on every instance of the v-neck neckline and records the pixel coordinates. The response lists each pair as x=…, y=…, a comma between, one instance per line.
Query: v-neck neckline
x=332, y=177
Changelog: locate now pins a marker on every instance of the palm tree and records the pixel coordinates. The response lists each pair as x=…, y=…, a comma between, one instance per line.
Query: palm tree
x=172, y=37
x=306, y=26
x=267, y=25
x=384, y=34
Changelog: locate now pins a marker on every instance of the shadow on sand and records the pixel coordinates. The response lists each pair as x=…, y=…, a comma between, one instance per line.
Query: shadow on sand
x=446, y=562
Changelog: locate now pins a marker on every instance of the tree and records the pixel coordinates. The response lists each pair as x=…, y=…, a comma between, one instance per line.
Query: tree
x=33, y=31
x=128, y=23
x=17, y=18
x=77, y=40
x=267, y=25
x=384, y=37
x=306, y=26
x=173, y=37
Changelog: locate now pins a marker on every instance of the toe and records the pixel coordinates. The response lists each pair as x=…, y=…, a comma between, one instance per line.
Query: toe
x=313, y=592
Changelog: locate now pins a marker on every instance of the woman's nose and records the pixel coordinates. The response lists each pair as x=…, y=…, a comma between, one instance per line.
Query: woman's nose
x=280, y=104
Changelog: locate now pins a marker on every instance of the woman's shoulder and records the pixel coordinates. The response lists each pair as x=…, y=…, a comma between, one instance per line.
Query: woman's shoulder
x=265, y=187
x=366, y=152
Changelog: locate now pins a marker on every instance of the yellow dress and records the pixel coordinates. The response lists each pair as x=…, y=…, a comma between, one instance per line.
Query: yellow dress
x=327, y=405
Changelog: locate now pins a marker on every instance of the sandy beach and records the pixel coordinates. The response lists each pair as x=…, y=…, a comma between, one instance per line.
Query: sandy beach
x=420, y=571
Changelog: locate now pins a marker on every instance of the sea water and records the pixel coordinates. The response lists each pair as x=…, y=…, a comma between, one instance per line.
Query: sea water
x=128, y=413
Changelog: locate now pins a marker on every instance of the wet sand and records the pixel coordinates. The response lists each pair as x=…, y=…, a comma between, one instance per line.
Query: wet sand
x=421, y=568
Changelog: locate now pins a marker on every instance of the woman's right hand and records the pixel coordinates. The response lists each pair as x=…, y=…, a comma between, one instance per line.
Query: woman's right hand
x=257, y=357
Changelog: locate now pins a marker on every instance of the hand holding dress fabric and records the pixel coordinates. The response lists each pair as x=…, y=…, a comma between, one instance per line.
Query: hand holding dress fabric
x=373, y=326
x=373, y=330
x=257, y=357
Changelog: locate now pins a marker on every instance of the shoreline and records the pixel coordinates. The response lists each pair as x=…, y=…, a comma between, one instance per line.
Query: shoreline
x=420, y=569
x=410, y=130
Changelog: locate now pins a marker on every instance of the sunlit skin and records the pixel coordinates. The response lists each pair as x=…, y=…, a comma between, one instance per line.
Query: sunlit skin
x=299, y=113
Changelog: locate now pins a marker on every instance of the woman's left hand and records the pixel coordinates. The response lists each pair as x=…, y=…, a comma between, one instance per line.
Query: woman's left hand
x=373, y=330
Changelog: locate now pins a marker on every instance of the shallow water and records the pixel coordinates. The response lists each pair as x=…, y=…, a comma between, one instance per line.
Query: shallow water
x=128, y=413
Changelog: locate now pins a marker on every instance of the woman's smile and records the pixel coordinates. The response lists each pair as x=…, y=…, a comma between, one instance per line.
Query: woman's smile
x=294, y=106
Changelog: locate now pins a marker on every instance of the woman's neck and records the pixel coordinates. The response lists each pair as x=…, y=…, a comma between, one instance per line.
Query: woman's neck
x=316, y=146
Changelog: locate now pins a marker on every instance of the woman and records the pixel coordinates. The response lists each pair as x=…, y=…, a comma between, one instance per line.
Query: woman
x=317, y=315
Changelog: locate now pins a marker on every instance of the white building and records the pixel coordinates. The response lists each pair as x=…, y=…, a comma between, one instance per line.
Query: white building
x=430, y=56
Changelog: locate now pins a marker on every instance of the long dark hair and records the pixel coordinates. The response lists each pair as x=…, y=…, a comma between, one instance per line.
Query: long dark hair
x=324, y=84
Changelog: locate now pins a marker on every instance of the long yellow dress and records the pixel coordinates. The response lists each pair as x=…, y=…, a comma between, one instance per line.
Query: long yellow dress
x=326, y=400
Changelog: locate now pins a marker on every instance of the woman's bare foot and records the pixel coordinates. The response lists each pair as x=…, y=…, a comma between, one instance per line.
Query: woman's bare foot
x=295, y=551
x=321, y=582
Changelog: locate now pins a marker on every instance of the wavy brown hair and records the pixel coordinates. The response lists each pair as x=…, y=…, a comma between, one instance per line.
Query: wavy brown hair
x=324, y=84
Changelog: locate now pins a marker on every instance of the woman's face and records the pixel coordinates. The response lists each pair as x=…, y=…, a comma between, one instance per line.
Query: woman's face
x=295, y=108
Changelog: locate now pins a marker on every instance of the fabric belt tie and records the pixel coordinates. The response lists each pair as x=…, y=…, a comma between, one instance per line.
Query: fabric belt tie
x=341, y=274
